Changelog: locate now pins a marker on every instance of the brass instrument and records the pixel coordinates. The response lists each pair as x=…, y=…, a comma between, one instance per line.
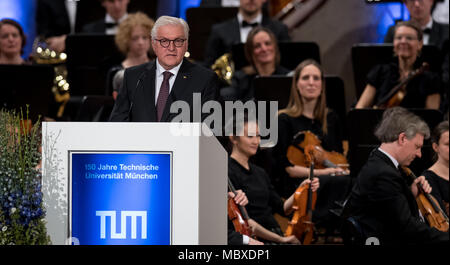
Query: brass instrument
x=42, y=54
x=224, y=67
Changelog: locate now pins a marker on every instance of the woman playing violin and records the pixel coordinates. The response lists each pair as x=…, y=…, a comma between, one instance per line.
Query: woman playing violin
x=437, y=174
x=422, y=91
x=263, y=200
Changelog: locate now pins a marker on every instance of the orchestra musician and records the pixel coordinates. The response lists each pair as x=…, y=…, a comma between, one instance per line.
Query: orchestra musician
x=12, y=42
x=382, y=200
x=422, y=91
x=263, y=200
x=261, y=50
x=437, y=174
x=133, y=40
x=307, y=111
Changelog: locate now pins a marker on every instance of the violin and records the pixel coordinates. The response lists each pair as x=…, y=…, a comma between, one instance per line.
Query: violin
x=308, y=142
x=396, y=95
x=301, y=224
x=238, y=215
x=429, y=207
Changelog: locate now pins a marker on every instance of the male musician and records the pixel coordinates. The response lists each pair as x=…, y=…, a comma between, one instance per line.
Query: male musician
x=383, y=198
x=434, y=33
x=116, y=12
x=149, y=89
x=224, y=35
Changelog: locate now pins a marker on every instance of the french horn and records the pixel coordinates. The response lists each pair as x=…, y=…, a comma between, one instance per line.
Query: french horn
x=224, y=67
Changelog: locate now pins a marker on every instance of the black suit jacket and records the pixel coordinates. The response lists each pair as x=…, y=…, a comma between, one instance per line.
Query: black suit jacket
x=382, y=202
x=52, y=18
x=98, y=26
x=136, y=100
x=224, y=35
x=438, y=35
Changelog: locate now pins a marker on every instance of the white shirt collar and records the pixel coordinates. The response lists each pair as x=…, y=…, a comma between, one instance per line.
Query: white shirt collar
x=390, y=157
x=160, y=70
x=109, y=19
x=257, y=19
x=429, y=25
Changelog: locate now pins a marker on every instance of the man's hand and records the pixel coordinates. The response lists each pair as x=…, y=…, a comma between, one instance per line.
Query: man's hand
x=420, y=181
x=57, y=43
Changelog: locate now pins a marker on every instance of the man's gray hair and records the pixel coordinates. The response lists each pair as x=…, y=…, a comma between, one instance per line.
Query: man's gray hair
x=399, y=120
x=168, y=20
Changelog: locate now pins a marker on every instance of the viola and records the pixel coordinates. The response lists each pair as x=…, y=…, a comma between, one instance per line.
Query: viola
x=301, y=224
x=238, y=215
x=396, y=95
x=429, y=207
x=308, y=142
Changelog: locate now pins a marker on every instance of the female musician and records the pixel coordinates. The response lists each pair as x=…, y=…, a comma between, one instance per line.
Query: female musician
x=133, y=40
x=422, y=91
x=437, y=174
x=307, y=111
x=12, y=41
x=263, y=200
x=261, y=50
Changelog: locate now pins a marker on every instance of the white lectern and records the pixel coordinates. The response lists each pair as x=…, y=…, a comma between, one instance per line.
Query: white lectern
x=192, y=168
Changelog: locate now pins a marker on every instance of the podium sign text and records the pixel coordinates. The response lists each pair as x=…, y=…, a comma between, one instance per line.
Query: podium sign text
x=120, y=198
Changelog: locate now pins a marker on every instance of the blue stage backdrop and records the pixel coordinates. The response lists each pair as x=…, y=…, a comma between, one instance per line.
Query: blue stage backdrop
x=120, y=198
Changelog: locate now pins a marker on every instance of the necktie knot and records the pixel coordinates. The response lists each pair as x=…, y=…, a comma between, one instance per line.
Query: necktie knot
x=246, y=24
x=167, y=75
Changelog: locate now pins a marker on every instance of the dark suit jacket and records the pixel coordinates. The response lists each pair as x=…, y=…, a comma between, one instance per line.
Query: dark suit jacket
x=52, y=18
x=136, y=100
x=224, y=35
x=439, y=33
x=382, y=202
x=98, y=26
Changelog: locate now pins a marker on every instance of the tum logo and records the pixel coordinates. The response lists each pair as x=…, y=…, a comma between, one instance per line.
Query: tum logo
x=123, y=222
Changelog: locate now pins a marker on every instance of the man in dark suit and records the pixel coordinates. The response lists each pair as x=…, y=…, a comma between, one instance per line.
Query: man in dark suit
x=54, y=20
x=224, y=35
x=149, y=90
x=116, y=11
x=383, y=198
x=434, y=33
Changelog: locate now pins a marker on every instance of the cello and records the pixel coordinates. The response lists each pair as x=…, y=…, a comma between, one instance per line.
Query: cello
x=429, y=207
x=301, y=224
x=238, y=215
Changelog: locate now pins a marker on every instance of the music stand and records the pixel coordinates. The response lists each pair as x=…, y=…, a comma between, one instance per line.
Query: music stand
x=361, y=127
x=23, y=85
x=366, y=55
x=292, y=53
x=89, y=57
x=200, y=20
x=277, y=88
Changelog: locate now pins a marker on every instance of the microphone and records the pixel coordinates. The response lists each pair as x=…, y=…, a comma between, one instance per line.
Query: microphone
x=141, y=76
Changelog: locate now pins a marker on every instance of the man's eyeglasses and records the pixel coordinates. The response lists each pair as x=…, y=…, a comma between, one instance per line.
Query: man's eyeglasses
x=166, y=42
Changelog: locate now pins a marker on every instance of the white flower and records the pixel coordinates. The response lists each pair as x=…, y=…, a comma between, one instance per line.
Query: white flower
x=4, y=228
x=13, y=210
